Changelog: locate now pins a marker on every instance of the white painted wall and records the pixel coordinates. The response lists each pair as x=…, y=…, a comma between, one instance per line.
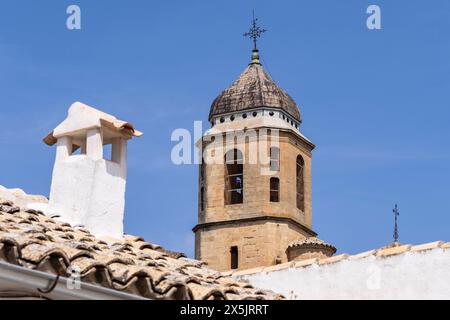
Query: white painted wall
x=411, y=275
x=87, y=189
x=90, y=193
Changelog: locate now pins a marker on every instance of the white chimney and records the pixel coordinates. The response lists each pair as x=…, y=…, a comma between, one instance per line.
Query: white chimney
x=88, y=185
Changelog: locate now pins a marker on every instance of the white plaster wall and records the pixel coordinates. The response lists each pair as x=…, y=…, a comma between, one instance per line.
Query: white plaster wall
x=412, y=275
x=106, y=210
x=90, y=193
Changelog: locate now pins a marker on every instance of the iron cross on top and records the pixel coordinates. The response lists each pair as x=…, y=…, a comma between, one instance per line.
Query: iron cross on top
x=255, y=32
x=396, y=214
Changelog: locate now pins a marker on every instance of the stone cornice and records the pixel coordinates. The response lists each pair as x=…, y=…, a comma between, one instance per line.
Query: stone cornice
x=255, y=219
x=291, y=132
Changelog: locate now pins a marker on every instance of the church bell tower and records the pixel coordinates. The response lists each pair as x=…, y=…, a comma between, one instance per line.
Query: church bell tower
x=250, y=212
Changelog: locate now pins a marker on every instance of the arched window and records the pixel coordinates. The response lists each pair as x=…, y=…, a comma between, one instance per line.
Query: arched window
x=202, y=185
x=234, y=254
x=274, y=159
x=202, y=199
x=202, y=171
x=234, y=177
x=300, y=183
x=274, y=190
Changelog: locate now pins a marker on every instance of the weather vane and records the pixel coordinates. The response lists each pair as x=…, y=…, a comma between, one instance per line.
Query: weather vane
x=255, y=32
x=396, y=214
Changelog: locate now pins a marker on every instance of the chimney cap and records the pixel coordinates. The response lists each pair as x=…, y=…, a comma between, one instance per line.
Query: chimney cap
x=83, y=117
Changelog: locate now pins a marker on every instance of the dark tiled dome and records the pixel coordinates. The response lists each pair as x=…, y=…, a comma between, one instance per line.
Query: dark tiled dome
x=254, y=89
x=311, y=242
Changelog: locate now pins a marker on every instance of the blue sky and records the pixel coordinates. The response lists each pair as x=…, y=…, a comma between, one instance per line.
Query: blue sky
x=376, y=103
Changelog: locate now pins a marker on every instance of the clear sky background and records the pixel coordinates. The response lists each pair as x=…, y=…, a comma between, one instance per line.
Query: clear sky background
x=376, y=103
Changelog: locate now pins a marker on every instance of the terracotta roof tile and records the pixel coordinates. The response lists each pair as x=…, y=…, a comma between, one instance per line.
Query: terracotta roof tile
x=228, y=273
x=248, y=271
x=278, y=267
x=227, y=282
x=33, y=240
x=389, y=251
x=334, y=259
x=305, y=263
x=446, y=245
x=103, y=118
x=363, y=255
x=427, y=246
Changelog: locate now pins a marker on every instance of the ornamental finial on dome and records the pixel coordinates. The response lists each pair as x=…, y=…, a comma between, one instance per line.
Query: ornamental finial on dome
x=254, y=33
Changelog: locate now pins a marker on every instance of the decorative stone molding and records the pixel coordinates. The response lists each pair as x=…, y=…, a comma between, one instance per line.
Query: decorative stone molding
x=309, y=248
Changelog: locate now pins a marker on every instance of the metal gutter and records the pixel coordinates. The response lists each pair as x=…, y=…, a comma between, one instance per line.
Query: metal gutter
x=15, y=278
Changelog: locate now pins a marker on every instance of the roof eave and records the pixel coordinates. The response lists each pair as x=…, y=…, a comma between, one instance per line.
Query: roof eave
x=29, y=281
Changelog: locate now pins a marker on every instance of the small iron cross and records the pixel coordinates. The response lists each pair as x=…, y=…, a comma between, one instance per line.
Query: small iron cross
x=396, y=214
x=255, y=32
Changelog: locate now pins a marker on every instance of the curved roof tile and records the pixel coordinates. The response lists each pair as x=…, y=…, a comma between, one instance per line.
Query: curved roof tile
x=254, y=89
x=133, y=265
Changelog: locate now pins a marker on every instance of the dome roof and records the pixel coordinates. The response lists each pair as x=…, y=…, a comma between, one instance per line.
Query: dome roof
x=311, y=242
x=254, y=89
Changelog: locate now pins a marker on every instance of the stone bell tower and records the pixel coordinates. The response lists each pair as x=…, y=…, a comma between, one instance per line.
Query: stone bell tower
x=250, y=211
